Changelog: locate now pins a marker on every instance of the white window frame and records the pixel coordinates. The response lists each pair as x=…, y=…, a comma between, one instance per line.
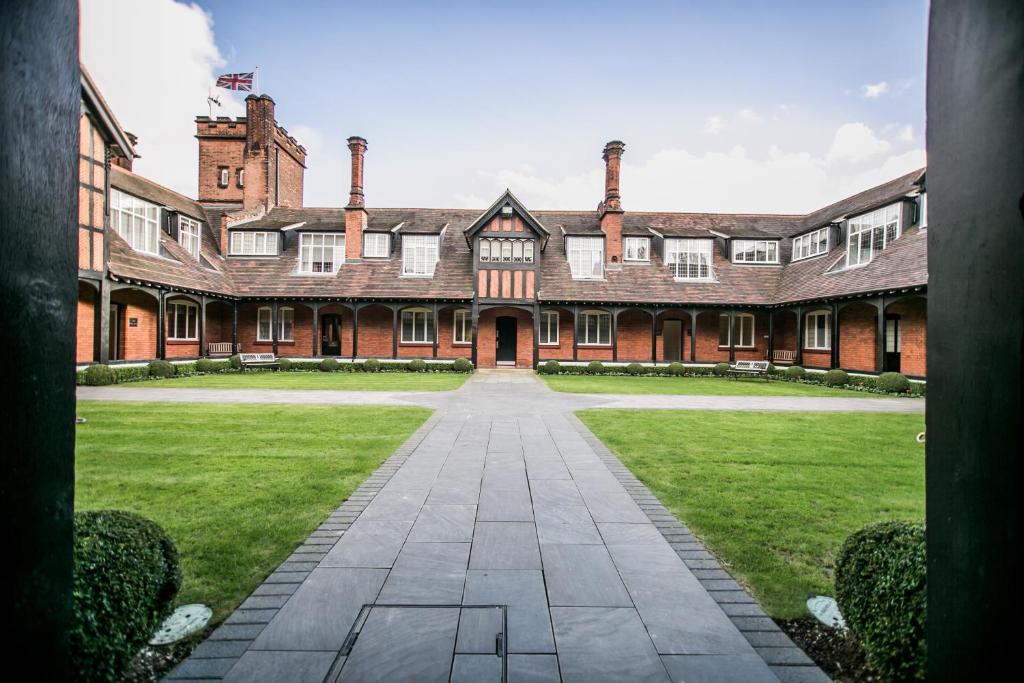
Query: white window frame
x=690, y=259
x=136, y=220
x=253, y=243
x=419, y=255
x=584, y=332
x=321, y=253
x=741, y=322
x=286, y=324
x=267, y=336
x=809, y=245
x=817, y=338
x=632, y=246
x=872, y=232
x=178, y=312
x=506, y=250
x=422, y=326
x=190, y=235
x=376, y=245
x=548, y=325
x=241, y=177
x=922, y=219
x=586, y=257
x=224, y=176
x=750, y=251
x=462, y=326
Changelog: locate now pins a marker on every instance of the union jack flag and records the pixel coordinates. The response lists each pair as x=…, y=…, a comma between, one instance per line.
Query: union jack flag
x=242, y=82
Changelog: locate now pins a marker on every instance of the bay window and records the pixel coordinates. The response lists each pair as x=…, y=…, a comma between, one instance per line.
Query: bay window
x=549, y=328
x=689, y=259
x=595, y=328
x=136, y=220
x=419, y=255
x=321, y=252
x=463, y=327
x=744, y=330
x=871, y=233
x=182, y=321
x=755, y=251
x=818, y=331
x=586, y=257
x=811, y=244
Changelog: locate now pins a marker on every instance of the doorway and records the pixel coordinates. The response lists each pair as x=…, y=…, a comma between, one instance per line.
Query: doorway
x=505, y=340
x=892, y=343
x=672, y=339
x=330, y=334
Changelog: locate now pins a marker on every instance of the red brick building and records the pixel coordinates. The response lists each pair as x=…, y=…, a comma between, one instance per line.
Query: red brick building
x=247, y=267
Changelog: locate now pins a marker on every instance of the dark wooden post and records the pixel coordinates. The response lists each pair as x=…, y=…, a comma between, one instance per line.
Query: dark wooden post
x=103, y=322
x=975, y=326
x=575, y=332
x=316, y=328
x=437, y=329
x=394, y=331
x=536, y=335
x=732, y=336
x=799, y=336
x=202, y=325
x=273, y=326
x=355, y=331
x=161, y=325
x=39, y=116
x=654, y=337
x=880, y=335
x=771, y=335
x=476, y=319
x=234, y=327
x=835, y=335
x=693, y=335
x=615, y=334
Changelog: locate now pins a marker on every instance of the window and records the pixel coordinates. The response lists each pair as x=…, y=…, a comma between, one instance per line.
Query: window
x=182, y=321
x=811, y=244
x=241, y=177
x=586, y=257
x=636, y=249
x=285, y=324
x=549, y=328
x=744, y=330
x=419, y=255
x=463, y=327
x=818, y=332
x=376, y=244
x=892, y=334
x=872, y=233
x=136, y=221
x=595, y=328
x=253, y=243
x=222, y=176
x=755, y=251
x=264, y=324
x=188, y=235
x=922, y=218
x=506, y=251
x=689, y=259
x=320, y=252
x=417, y=326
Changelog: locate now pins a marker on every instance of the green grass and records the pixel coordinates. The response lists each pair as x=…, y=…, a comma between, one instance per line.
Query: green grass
x=238, y=487
x=338, y=381
x=773, y=494
x=694, y=386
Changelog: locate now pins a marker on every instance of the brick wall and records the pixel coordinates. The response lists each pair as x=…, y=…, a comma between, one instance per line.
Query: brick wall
x=92, y=181
x=289, y=180
x=684, y=340
x=218, y=323
x=913, y=326
x=374, y=332
x=563, y=351
x=216, y=152
x=85, y=325
x=446, y=346
x=858, y=337
x=486, y=341
x=634, y=336
x=139, y=342
x=707, y=339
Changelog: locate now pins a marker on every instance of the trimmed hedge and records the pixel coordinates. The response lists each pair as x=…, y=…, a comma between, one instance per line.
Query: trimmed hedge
x=417, y=365
x=126, y=576
x=98, y=375
x=462, y=365
x=676, y=369
x=595, y=367
x=720, y=369
x=236, y=361
x=795, y=372
x=328, y=365
x=551, y=367
x=881, y=590
x=836, y=378
x=205, y=365
x=635, y=369
x=893, y=383
x=284, y=365
x=371, y=365
x=161, y=368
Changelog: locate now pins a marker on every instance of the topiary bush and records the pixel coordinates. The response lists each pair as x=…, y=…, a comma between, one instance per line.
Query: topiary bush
x=795, y=372
x=205, y=365
x=161, y=368
x=328, y=365
x=721, y=369
x=99, y=375
x=236, y=361
x=462, y=365
x=551, y=367
x=595, y=367
x=184, y=369
x=371, y=365
x=284, y=365
x=893, y=383
x=676, y=369
x=881, y=593
x=418, y=365
x=836, y=378
x=126, y=576
x=635, y=369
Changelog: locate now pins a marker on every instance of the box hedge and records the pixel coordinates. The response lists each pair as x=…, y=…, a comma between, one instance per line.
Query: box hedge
x=881, y=587
x=721, y=369
x=98, y=375
x=328, y=365
x=126, y=575
x=795, y=372
x=595, y=367
x=836, y=378
x=462, y=365
x=417, y=365
x=284, y=365
x=161, y=368
x=893, y=383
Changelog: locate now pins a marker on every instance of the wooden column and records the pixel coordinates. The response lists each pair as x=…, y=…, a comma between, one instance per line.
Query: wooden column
x=615, y=334
x=273, y=326
x=575, y=332
x=202, y=325
x=234, y=328
x=835, y=335
x=536, y=335
x=355, y=331
x=161, y=325
x=654, y=337
x=316, y=328
x=475, y=314
x=693, y=335
x=799, y=360
x=732, y=336
x=437, y=329
x=771, y=336
x=103, y=322
x=880, y=335
x=394, y=331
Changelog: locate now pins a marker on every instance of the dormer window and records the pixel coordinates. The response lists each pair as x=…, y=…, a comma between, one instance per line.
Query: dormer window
x=812, y=244
x=689, y=259
x=136, y=221
x=189, y=235
x=636, y=249
x=253, y=243
x=321, y=252
x=871, y=233
x=419, y=255
x=586, y=257
x=376, y=244
x=755, y=251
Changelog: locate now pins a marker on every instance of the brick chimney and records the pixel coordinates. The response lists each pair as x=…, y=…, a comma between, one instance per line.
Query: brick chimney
x=355, y=212
x=259, y=137
x=611, y=208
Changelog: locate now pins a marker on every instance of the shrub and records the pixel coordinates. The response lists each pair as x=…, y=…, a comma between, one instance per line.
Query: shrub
x=184, y=369
x=161, y=368
x=836, y=378
x=721, y=369
x=635, y=369
x=881, y=593
x=99, y=375
x=328, y=365
x=371, y=365
x=893, y=383
x=676, y=369
x=551, y=367
x=417, y=365
x=462, y=365
x=130, y=374
x=125, y=578
x=236, y=361
x=205, y=365
x=595, y=367
x=284, y=364
x=795, y=372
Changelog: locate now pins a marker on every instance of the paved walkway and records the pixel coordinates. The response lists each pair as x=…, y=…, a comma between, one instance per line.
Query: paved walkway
x=503, y=541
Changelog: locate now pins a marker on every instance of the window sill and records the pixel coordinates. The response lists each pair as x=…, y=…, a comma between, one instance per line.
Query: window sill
x=552, y=345
x=462, y=344
x=182, y=342
x=829, y=350
x=738, y=348
x=405, y=343
x=594, y=346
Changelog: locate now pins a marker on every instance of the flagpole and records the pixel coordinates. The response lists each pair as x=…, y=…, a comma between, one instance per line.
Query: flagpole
x=257, y=80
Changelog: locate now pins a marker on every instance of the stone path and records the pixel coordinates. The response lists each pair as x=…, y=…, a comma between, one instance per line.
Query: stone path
x=503, y=541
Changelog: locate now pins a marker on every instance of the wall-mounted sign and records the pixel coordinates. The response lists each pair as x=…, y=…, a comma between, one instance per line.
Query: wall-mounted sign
x=133, y=322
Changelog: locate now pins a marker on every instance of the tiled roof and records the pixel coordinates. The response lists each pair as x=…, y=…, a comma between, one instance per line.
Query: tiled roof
x=862, y=201
x=131, y=183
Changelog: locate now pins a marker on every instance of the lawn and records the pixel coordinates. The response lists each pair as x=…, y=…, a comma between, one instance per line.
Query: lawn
x=694, y=386
x=238, y=487
x=337, y=381
x=773, y=494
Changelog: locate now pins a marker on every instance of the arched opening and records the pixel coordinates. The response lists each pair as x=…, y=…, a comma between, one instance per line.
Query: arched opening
x=455, y=332
x=335, y=331
x=906, y=336
x=374, y=325
x=86, y=338
x=134, y=320
x=784, y=337
x=673, y=335
x=182, y=326
x=633, y=336
x=556, y=334
x=858, y=337
x=219, y=324
x=817, y=338
x=505, y=332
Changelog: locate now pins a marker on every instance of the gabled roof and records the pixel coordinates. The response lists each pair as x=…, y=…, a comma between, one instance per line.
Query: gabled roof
x=112, y=130
x=507, y=199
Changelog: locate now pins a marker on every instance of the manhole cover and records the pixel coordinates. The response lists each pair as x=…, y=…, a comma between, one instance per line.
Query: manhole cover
x=826, y=611
x=183, y=622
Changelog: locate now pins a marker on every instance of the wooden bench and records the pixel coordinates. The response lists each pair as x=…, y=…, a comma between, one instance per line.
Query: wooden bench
x=749, y=367
x=783, y=356
x=220, y=349
x=258, y=360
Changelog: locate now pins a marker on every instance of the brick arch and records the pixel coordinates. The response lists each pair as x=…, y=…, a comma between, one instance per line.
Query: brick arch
x=85, y=331
x=913, y=312
x=375, y=331
x=486, y=336
x=634, y=334
x=685, y=332
x=138, y=340
x=447, y=347
x=176, y=348
x=784, y=330
x=816, y=358
x=858, y=336
x=219, y=322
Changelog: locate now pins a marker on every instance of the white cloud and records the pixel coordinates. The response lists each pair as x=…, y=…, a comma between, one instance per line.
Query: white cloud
x=748, y=115
x=906, y=134
x=713, y=125
x=855, y=142
x=156, y=71
x=873, y=91
x=324, y=184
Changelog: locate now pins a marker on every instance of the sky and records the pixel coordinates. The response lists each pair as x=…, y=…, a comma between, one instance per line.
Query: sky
x=780, y=107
